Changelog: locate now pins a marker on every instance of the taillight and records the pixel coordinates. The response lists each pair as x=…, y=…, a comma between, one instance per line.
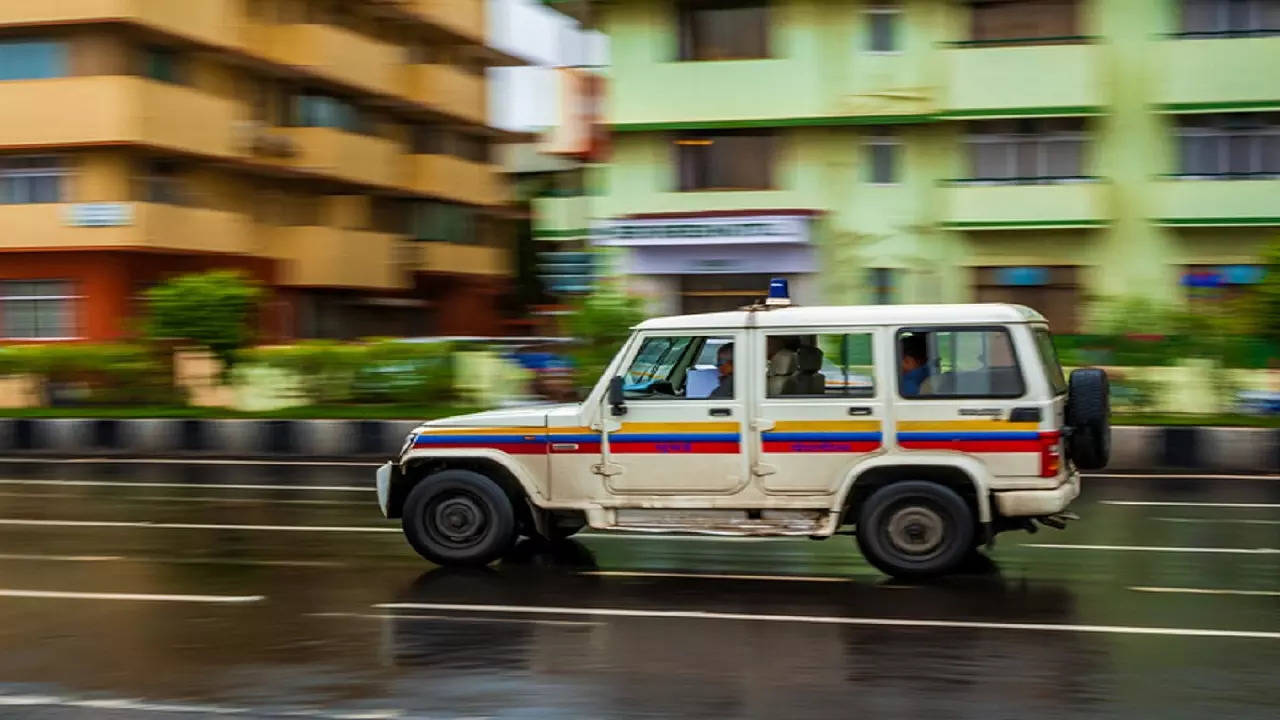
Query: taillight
x=1050, y=454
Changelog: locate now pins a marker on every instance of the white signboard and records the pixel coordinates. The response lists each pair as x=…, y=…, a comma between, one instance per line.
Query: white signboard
x=100, y=215
x=722, y=230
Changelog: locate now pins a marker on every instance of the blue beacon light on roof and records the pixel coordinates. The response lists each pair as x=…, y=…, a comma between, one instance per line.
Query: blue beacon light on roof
x=779, y=293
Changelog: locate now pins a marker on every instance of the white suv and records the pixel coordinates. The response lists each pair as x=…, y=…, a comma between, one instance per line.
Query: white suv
x=924, y=430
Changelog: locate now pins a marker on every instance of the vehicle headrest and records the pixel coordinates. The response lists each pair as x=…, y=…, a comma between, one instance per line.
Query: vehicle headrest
x=783, y=362
x=809, y=359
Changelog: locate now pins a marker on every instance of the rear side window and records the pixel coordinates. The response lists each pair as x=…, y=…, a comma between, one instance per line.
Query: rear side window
x=940, y=363
x=1049, y=359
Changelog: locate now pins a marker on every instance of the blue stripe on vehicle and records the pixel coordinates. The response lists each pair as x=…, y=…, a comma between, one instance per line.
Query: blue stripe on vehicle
x=822, y=436
x=478, y=439
x=1033, y=435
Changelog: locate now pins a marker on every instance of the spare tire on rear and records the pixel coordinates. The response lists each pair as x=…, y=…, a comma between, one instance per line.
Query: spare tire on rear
x=1089, y=419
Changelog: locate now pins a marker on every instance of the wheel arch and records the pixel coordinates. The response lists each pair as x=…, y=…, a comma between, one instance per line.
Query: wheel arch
x=506, y=473
x=965, y=475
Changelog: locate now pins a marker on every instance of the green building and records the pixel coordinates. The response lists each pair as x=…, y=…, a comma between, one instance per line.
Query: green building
x=1047, y=152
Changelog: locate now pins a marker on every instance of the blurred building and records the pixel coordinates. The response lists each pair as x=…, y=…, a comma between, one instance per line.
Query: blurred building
x=338, y=150
x=1034, y=151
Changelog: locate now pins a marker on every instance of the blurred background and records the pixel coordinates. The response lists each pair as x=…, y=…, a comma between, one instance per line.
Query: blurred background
x=405, y=208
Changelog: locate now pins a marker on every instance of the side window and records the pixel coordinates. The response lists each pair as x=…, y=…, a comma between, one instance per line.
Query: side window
x=826, y=365
x=681, y=368
x=959, y=363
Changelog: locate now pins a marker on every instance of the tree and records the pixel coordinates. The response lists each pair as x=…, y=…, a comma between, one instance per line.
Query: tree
x=601, y=322
x=212, y=309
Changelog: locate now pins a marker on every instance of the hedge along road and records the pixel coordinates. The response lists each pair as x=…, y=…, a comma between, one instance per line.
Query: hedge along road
x=163, y=589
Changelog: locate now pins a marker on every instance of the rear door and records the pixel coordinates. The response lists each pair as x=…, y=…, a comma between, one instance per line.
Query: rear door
x=819, y=411
x=973, y=396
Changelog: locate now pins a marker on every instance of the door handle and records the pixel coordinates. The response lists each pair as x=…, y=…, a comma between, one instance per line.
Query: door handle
x=720, y=412
x=860, y=410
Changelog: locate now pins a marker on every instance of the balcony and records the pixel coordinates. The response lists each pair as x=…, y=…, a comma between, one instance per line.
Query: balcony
x=336, y=153
x=448, y=90
x=967, y=206
x=127, y=225
x=1218, y=73
x=1009, y=81
x=443, y=257
x=560, y=218
x=453, y=178
x=208, y=21
x=124, y=109
x=331, y=52
x=312, y=256
x=464, y=19
x=1217, y=203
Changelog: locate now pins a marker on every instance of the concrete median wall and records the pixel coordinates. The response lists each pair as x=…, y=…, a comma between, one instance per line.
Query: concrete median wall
x=1133, y=448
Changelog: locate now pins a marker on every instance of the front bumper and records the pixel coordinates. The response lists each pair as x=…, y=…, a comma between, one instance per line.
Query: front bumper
x=383, y=481
x=1037, y=503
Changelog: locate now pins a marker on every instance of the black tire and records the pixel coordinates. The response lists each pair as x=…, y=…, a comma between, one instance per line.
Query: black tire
x=459, y=518
x=1089, y=419
x=930, y=516
x=564, y=529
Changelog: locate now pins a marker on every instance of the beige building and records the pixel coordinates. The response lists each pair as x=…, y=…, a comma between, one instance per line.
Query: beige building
x=337, y=150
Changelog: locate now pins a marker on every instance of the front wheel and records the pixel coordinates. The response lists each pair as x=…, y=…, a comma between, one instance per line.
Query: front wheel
x=459, y=518
x=915, y=529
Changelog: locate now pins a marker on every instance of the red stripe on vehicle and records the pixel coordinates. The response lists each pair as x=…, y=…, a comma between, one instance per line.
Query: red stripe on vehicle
x=976, y=446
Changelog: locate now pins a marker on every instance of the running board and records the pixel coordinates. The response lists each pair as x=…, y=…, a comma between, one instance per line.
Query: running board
x=722, y=522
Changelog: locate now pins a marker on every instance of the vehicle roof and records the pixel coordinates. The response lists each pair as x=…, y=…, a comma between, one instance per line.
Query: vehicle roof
x=839, y=315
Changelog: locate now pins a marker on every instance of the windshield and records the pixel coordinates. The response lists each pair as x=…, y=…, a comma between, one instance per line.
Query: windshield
x=1049, y=359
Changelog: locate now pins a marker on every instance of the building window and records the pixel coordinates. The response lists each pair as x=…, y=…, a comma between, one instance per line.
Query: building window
x=32, y=59
x=1027, y=151
x=1001, y=21
x=882, y=29
x=884, y=285
x=313, y=110
x=1230, y=18
x=1053, y=291
x=37, y=310
x=25, y=180
x=443, y=222
x=1236, y=145
x=161, y=182
x=1222, y=283
x=163, y=64
x=726, y=160
x=882, y=160
x=724, y=29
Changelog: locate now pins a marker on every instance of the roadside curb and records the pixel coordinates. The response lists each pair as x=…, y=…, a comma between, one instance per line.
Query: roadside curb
x=1134, y=448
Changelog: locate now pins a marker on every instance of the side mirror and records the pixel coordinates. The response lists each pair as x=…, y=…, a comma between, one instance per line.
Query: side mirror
x=617, y=400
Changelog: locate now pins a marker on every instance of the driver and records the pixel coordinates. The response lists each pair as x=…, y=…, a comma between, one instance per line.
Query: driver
x=724, y=365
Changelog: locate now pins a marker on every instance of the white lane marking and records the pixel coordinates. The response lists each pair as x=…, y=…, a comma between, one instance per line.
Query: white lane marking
x=1152, y=548
x=455, y=618
x=135, y=705
x=180, y=498
x=171, y=560
x=142, y=597
x=186, y=461
x=1183, y=476
x=719, y=576
x=1217, y=521
x=831, y=620
x=206, y=486
x=1159, y=503
x=197, y=526
x=1206, y=591
x=64, y=558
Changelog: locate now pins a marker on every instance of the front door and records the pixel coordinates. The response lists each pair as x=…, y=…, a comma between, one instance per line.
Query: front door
x=820, y=409
x=685, y=412
x=962, y=389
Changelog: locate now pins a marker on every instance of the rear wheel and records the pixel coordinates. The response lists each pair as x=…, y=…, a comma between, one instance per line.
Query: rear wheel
x=459, y=518
x=915, y=529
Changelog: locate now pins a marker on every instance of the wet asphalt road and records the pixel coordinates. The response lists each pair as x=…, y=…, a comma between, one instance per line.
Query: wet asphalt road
x=168, y=606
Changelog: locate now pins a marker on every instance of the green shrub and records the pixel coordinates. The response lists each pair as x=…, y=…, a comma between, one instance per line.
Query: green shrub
x=376, y=371
x=108, y=374
x=600, y=323
x=213, y=309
